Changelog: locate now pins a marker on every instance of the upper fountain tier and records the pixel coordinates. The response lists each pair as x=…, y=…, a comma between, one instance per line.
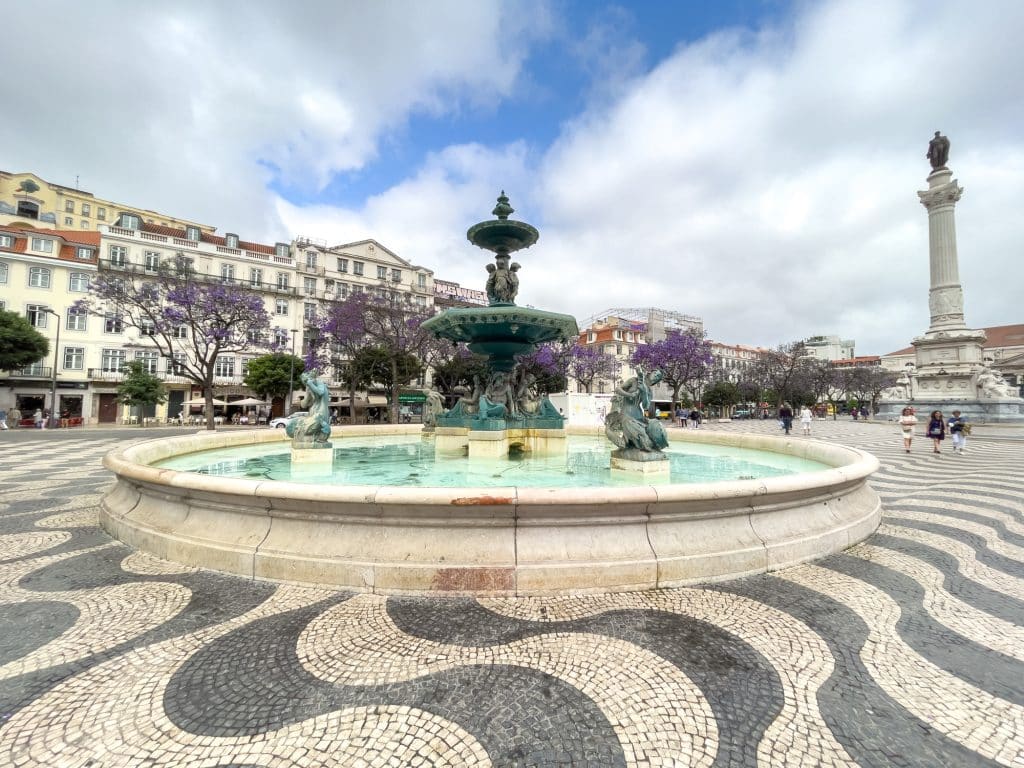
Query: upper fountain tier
x=503, y=236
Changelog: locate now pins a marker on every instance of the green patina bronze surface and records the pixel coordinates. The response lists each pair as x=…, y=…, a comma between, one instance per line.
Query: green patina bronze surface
x=502, y=331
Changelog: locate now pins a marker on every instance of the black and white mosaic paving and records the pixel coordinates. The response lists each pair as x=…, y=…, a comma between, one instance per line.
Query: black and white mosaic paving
x=906, y=650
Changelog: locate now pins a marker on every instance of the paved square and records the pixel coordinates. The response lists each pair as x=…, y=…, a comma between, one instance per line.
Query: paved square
x=906, y=650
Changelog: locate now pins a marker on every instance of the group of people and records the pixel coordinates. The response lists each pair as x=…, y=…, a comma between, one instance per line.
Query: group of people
x=957, y=426
x=693, y=415
x=786, y=418
x=39, y=418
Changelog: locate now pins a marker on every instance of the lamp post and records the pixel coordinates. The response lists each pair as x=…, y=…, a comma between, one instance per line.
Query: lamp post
x=53, y=382
x=291, y=377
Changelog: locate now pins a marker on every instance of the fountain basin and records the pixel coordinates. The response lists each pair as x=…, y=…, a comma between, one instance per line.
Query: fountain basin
x=500, y=541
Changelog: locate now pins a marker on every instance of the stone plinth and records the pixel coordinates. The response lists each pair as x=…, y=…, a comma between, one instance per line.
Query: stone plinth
x=496, y=444
x=641, y=463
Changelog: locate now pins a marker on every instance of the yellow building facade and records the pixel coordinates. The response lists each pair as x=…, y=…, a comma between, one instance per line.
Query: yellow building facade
x=26, y=200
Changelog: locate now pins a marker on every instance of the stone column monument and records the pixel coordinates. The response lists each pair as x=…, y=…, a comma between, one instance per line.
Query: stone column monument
x=950, y=370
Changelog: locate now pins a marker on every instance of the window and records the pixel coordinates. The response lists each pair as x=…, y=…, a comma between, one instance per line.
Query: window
x=329, y=286
x=184, y=265
x=36, y=315
x=357, y=288
x=396, y=275
x=74, y=358
x=255, y=277
x=225, y=366
x=280, y=337
x=311, y=259
x=309, y=311
x=77, y=319
x=421, y=280
x=86, y=209
x=83, y=253
x=309, y=285
x=254, y=336
x=148, y=358
x=39, y=277
x=151, y=260
x=192, y=233
x=343, y=290
x=281, y=250
x=177, y=364
x=85, y=224
x=357, y=268
x=112, y=360
x=180, y=332
x=130, y=221
x=343, y=265
x=227, y=273
x=3, y=272
x=147, y=328
x=69, y=221
x=101, y=214
x=69, y=206
x=421, y=300
x=118, y=255
x=282, y=281
x=6, y=241
x=281, y=307
x=42, y=245
x=231, y=240
x=245, y=366
x=113, y=324
x=382, y=273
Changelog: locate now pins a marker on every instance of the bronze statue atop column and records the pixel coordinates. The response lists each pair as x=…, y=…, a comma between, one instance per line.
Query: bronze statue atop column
x=938, y=151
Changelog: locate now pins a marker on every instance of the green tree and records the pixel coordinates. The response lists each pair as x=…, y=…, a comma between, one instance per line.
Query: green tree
x=140, y=387
x=385, y=366
x=722, y=394
x=272, y=375
x=20, y=343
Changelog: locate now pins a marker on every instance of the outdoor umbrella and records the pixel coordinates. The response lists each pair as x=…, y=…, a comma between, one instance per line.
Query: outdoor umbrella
x=248, y=401
x=203, y=402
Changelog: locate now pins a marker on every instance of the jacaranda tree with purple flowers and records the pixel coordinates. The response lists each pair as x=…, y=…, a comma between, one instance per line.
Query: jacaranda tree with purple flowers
x=389, y=325
x=683, y=357
x=589, y=363
x=190, y=321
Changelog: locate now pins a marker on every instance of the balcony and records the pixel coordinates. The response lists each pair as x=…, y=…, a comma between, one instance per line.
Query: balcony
x=310, y=270
x=116, y=377
x=32, y=372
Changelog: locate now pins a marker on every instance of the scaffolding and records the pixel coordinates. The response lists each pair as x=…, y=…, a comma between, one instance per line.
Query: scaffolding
x=653, y=320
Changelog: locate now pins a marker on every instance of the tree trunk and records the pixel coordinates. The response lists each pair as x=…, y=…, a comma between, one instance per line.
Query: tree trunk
x=208, y=397
x=395, y=388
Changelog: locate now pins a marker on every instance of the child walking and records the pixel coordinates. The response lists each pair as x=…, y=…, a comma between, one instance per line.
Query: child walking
x=958, y=430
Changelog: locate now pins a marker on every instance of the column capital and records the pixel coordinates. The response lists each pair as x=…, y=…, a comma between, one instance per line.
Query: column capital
x=942, y=194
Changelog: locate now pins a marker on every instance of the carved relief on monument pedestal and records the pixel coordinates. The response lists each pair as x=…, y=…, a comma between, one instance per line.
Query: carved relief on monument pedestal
x=946, y=303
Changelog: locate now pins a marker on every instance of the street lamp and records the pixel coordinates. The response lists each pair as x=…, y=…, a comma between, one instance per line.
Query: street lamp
x=53, y=382
x=291, y=377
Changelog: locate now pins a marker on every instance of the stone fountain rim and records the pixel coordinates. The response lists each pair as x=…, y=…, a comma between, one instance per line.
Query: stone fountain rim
x=847, y=466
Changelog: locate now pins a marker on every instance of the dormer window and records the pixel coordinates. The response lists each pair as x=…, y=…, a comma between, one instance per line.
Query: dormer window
x=83, y=253
x=192, y=233
x=231, y=240
x=129, y=221
x=42, y=245
x=6, y=241
x=281, y=249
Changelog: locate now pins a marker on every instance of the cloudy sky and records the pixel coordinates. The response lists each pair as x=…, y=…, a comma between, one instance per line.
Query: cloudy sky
x=755, y=164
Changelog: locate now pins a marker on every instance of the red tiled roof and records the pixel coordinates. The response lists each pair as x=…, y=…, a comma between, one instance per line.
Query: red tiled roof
x=997, y=336
x=205, y=237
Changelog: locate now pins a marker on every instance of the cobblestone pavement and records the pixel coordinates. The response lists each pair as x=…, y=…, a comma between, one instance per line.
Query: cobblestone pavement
x=906, y=650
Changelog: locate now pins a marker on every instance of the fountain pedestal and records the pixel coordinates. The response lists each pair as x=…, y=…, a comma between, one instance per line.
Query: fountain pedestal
x=640, y=464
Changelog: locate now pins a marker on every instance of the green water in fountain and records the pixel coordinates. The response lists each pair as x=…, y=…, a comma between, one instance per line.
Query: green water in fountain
x=409, y=461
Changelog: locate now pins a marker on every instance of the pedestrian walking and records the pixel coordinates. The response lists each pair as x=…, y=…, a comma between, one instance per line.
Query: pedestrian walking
x=3, y=418
x=786, y=417
x=937, y=430
x=695, y=417
x=805, y=419
x=959, y=429
x=37, y=418
x=907, y=422
x=15, y=417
